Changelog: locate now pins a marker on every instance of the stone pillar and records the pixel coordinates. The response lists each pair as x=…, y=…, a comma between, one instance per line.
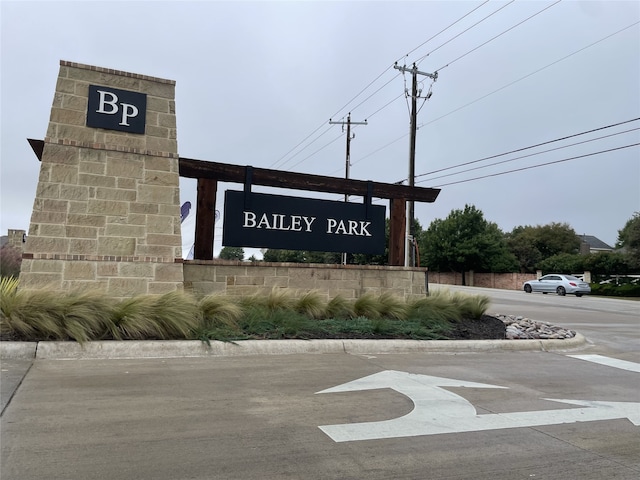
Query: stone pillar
x=106, y=214
x=16, y=239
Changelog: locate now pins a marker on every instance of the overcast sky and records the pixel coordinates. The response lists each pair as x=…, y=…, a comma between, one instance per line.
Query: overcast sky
x=257, y=83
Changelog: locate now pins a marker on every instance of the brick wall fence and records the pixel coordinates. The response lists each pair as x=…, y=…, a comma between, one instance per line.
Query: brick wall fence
x=506, y=281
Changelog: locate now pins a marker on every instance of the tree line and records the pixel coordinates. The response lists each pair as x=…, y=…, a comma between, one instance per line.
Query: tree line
x=466, y=241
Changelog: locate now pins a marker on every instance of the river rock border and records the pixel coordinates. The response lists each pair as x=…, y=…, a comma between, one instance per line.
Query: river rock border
x=522, y=328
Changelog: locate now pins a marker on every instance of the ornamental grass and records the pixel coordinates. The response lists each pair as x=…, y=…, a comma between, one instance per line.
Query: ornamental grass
x=35, y=315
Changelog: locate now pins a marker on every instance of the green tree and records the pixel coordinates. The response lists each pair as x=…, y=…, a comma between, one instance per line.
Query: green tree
x=563, y=263
x=522, y=243
x=532, y=245
x=285, y=256
x=555, y=238
x=465, y=241
x=607, y=263
x=231, y=253
x=629, y=240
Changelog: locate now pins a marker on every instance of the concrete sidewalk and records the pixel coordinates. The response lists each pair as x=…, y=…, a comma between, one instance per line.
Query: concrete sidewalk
x=17, y=357
x=196, y=348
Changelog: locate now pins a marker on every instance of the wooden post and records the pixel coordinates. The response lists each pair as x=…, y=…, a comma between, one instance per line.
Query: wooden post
x=205, y=219
x=397, y=231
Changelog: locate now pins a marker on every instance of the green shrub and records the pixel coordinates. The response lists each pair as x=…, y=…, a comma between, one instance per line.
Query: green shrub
x=613, y=290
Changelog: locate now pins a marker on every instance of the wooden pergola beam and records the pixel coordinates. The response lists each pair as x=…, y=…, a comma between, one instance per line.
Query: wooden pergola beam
x=209, y=173
x=224, y=172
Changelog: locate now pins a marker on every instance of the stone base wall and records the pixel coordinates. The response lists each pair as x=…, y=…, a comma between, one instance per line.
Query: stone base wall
x=506, y=281
x=117, y=277
x=350, y=281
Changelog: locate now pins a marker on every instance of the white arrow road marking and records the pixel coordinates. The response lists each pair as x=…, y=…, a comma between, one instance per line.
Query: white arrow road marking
x=438, y=411
x=609, y=362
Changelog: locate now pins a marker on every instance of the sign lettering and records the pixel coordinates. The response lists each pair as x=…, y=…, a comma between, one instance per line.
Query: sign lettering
x=293, y=223
x=115, y=109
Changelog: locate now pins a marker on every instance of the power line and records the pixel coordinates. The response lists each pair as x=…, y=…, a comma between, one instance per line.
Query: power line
x=534, y=154
x=536, y=166
x=317, y=151
x=335, y=115
x=500, y=89
x=532, y=73
x=529, y=147
x=274, y=164
x=499, y=35
x=464, y=31
x=447, y=28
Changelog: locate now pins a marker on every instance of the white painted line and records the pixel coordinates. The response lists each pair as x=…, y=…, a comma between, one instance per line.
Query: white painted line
x=609, y=362
x=437, y=411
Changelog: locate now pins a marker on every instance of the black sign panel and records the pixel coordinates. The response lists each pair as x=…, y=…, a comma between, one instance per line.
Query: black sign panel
x=116, y=109
x=294, y=223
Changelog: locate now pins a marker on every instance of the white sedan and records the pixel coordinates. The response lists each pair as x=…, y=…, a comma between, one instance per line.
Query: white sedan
x=560, y=284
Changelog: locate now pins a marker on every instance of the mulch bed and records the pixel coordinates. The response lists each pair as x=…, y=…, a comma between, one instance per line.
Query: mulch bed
x=486, y=327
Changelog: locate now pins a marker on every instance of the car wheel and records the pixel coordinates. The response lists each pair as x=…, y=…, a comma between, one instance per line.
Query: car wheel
x=561, y=291
x=527, y=288
x=578, y=294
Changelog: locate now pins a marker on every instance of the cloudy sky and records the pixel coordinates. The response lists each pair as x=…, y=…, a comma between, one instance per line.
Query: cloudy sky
x=257, y=83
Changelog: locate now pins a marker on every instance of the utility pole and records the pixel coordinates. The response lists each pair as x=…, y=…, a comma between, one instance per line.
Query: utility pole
x=348, y=123
x=412, y=146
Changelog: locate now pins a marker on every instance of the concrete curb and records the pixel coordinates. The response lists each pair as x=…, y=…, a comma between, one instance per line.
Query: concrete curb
x=18, y=350
x=195, y=348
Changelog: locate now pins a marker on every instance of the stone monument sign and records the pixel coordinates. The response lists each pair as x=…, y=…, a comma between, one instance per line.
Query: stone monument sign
x=106, y=214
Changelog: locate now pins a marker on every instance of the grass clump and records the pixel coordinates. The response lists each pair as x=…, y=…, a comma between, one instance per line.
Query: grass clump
x=367, y=306
x=339, y=307
x=85, y=316
x=220, y=319
x=310, y=304
x=47, y=315
x=173, y=315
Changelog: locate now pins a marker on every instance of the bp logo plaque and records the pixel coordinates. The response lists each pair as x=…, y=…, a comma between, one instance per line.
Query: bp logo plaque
x=294, y=223
x=116, y=109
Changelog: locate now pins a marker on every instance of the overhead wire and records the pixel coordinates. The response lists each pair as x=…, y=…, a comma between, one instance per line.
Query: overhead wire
x=284, y=160
x=529, y=147
x=444, y=30
x=532, y=154
x=463, y=32
x=502, y=88
x=499, y=35
x=532, y=73
x=536, y=166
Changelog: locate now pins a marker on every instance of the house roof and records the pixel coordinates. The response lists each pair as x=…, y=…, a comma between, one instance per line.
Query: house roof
x=595, y=242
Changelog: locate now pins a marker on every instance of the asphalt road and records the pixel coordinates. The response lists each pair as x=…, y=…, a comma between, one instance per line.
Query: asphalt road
x=611, y=325
x=490, y=415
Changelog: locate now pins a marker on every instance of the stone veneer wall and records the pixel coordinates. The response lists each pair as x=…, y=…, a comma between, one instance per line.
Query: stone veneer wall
x=506, y=281
x=351, y=281
x=107, y=209
x=16, y=239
